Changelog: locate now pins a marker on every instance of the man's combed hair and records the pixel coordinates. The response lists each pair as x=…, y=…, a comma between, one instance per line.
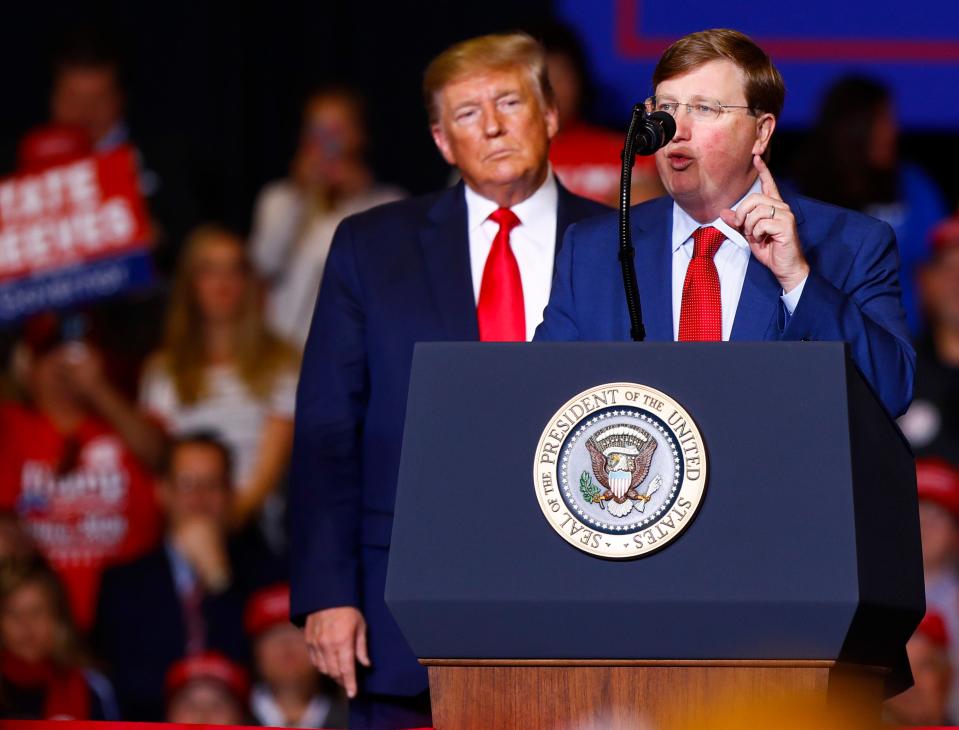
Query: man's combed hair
x=765, y=89
x=495, y=52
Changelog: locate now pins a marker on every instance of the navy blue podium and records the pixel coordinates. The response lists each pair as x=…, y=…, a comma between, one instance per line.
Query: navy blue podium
x=801, y=568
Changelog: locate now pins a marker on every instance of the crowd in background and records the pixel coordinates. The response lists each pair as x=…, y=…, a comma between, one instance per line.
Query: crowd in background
x=145, y=440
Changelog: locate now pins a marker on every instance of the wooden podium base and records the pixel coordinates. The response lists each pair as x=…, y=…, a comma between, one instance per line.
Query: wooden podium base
x=640, y=695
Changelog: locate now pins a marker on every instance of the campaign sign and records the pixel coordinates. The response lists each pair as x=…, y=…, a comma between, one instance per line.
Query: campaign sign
x=72, y=233
x=912, y=48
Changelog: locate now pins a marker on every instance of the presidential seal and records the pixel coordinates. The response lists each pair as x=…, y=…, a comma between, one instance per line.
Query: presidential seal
x=620, y=470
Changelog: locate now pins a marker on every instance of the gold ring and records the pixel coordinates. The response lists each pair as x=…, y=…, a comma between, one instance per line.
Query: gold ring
x=773, y=214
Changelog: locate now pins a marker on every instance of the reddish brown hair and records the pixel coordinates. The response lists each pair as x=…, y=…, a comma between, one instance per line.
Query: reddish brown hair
x=765, y=89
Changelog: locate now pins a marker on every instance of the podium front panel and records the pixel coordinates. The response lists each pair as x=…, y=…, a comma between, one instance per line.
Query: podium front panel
x=768, y=568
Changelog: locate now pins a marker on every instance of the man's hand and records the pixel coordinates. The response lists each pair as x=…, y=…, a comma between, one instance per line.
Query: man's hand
x=336, y=638
x=202, y=544
x=769, y=226
x=306, y=170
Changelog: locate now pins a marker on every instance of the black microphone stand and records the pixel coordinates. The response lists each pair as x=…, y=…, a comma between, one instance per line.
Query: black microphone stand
x=636, y=328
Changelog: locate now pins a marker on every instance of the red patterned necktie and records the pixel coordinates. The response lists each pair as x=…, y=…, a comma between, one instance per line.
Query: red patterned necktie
x=500, y=311
x=701, y=313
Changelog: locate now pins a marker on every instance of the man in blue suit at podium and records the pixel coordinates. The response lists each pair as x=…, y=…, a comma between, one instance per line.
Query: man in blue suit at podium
x=471, y=262
x=726, y=256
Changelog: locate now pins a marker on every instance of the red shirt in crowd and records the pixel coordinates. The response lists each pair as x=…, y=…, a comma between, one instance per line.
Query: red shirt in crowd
x=587, y=160
x=84, y=498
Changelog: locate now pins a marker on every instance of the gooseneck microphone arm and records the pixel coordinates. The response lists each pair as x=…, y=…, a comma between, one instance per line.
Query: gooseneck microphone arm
x=651, y=131
x=633, y=305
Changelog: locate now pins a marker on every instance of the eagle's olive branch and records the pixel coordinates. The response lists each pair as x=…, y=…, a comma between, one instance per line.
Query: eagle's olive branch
x=590, y=491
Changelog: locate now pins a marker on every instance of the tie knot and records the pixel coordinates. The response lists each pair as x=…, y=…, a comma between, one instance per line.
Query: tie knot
x=706, y=241
x=506, y=219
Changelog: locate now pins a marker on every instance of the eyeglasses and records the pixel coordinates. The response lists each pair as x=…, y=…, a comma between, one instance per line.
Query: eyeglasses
x=707, y=110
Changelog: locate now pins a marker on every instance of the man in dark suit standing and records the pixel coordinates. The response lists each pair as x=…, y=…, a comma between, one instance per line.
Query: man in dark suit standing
x=725, y=256
x=471, y=262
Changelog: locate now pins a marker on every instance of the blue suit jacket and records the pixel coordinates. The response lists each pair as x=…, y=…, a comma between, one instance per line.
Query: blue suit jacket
x=396, y=275
x=852, y=292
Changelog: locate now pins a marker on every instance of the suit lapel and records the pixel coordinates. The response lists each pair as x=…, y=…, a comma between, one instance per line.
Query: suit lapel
x=758, y=309
x=444, y=241
x=654, y=272
x=564, y=216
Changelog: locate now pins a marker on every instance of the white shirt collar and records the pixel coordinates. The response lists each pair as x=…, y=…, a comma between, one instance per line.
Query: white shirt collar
x=268, y=712
x=537, y=206
x=684, y=224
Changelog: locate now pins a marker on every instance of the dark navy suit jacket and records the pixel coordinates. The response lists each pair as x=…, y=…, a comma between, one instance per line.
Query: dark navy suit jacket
x=140, y=629
x=852, y=293
x=396, y=275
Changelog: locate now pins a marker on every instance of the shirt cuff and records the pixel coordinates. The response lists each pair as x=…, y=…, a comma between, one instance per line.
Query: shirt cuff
x=791, y=300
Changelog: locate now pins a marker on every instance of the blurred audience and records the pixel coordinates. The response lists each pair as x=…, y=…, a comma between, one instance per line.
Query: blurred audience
x=87, y=94
x=852, y=160
x=290, y=692
x=926, y=702
x=932, y=422
x=15, y=541
x=87, y=97
x=587, y=158
x=207, y=689
x=938, y=484
x=222, y=370
x=188, y=595
x=295, y=218
x=43, y=673
x=74, y=458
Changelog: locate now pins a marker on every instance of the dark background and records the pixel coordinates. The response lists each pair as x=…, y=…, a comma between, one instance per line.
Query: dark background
x=222, y=86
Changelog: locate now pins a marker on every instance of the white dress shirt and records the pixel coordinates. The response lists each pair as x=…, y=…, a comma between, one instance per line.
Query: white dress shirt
x=731, y=261
x=266, y=710
x=533, y=242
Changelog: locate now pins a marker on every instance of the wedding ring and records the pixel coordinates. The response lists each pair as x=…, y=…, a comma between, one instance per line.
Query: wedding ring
x=773, y=214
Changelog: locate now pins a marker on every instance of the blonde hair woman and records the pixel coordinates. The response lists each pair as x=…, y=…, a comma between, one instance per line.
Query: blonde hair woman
x=222, y=370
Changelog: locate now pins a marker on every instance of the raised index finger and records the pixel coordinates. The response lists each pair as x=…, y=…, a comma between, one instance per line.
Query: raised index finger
x=766, y=178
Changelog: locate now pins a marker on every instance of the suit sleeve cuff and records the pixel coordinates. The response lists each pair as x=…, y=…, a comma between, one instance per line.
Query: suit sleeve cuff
x=791, y=300
x=310, y=593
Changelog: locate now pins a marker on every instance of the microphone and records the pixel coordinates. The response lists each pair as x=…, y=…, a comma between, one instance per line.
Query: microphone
x=656, y=131
x=646, y=134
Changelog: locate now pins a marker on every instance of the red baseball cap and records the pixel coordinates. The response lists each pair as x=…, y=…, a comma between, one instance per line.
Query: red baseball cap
x=938, y=482
x=52, y=145
x=209, y=665
x=933, y=627
x=267, y=608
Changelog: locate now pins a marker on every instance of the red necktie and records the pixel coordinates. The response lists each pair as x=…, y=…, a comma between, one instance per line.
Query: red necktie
x=701, y=313
x=193, y=617
x=500, y=311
